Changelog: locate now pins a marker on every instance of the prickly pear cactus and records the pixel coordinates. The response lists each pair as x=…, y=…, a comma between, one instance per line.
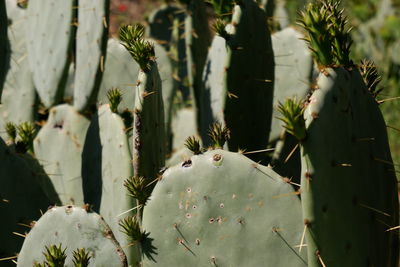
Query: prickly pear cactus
x=91, y=47
x=148, y=114
x=50, y=33
x=348, y=178
x=121, y=72
x=4, y=46
x=183, y=125
x=218, y=204
x=248, y=80
x=107, y=163
x=197, y=41
x=23, y=194
x=72, y=228
x=148, y=131
x=18, y=87
x=214, y=84
x=58, y=147
x=293, y=57
x=348, y=182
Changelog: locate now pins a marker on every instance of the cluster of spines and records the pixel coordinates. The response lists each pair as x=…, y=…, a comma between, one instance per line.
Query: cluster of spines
x=141, y=50
x=328, y=38
x=55, y=256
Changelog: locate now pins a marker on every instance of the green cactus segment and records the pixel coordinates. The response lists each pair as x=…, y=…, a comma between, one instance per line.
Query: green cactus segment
x=149, y=127
x=50, y=34
x=23, y=196
x=91, y=47
x=169, y=85
x=106, y=165
x=4, y=45
x=248, y=79
x=197, y=41
x=348, y=181
x=120, y=71
x=214, y=84
x=58, y=147
x=72, y=228
x=18, y=87
x=217, y=217
x=183, y=126
x=291, y=56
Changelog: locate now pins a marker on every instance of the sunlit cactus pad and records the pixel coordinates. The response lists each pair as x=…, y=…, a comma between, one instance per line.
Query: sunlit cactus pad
x=72, y=228
x=222, y=209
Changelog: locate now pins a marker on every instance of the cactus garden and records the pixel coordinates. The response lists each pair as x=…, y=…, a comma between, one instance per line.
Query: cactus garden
x=199, y=133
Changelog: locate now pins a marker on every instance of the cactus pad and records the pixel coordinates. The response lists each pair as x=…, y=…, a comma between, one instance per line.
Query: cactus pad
x=22, y=197
x=50, y=34
x=91, y=47
x=58, y=147
x=348, y=182
x=223, y=210
x=72, y=228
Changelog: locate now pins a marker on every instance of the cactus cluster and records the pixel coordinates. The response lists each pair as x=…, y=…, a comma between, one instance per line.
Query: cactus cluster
x=151, y=148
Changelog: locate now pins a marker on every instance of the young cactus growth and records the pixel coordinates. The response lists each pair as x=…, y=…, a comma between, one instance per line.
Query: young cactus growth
x=328, y=38
x=193, y=144
x=138, y=188
x=131, y=227
x=55, y=256
x=142, y=51
x=114, y=96
x=292, y=115
x=223, y=8
x=371, y=77
x=219, y=28
x=11, y=130
x=26, y=132
x=219, y=135
x=81, y=257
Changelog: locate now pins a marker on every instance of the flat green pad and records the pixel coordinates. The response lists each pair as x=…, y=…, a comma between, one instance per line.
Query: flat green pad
x=183, y=126
x=49, y=31
x=58, y=147
x=213, y=86
x=222, y=210
x=107, y=163
x=22, y=197
x=248, y=80
x=120, y=71
x=293, y=72
x=349, y=189
x=73, y=228
x=91, y=47
x=18, y=87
